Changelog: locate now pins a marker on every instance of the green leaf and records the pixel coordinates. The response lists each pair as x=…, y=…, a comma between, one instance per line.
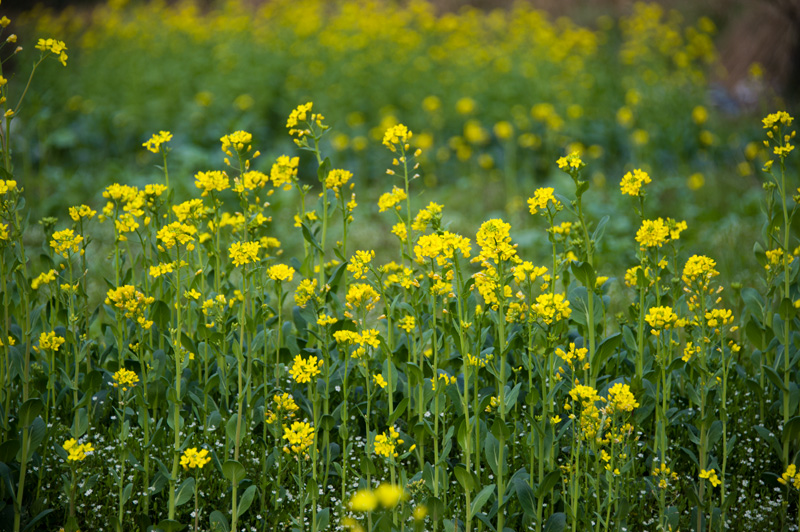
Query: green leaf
x=601, y=228
x=526, y=497
x=310, y=238
x=233, y=471
x=185, y=491
x=773, y=377
x=246, y=500
x=549, y=482
x=29, y=410
x=584, y=272
x=556, y=523
x=606, y=348
x=218, y=521
x=169, y=525
x=464, y=478
x=480, y=500
x=41, y=515
x=398, y=411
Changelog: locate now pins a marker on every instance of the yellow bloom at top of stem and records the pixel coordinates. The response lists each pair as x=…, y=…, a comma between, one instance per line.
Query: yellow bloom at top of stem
x=192, y=208
x=571, y=162
x=175, y=233
x=125, y=378
x=790, y=476
x=132, y=302
x=359, y=263
x=284, y=172
x=304, y=292
x=304, y=370
x=386, y=442
x=573, y=355
x=155, y=142
x=336, y=179
x=242, y=253
x=300, y=437
x=711, y=476
x=631, y=183
x=717, y=317
x=82, y=212
x=652, y=233
x=55, y=47
x=397, y=135
x=7, y=185
x=213, y=181
x=379, y=381
x=192, y=458
x=43, y=278
x=400, y=231
x=391, y=199
x=407, y=323
x=781, y=117
x=300, y=114
x=542, y=197
x=620, y=398
x=66, y=242
x=526, y=271
x=585, y=394
x=660, y=318
x=280, y=272
x=363, y=296
x=238, y=141
x=285, y=407
x=699, y=269
x=495, y=242
x=552, y=308
x=49, y=341
x=430, y=216
x=77, y=452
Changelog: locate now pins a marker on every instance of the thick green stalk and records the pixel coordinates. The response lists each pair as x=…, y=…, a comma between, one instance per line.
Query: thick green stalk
x=176, y=412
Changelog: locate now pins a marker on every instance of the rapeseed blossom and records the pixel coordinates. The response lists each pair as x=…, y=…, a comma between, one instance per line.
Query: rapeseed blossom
x=300, y=436
x=43, y=278
x=631, y=183
x=49, y=341
x=790, y=476
x=242, y=253
x=542, y=198
x=284, y=172
x=155, y=142
x=212, y=181
x=55, y=47
x=552, y=308
x=391, y=199
x=652, y=233
x=304, y=370
x=359, y=263
x=285, y=407
x=280, y=273
x=132, y=302
x=661, y=318
x=397, y=135
x=386, y=442
x=620, y=398
x=83, y=212
x=239, y=141
x=66, y=242
x=125, y=378
x=77, y=452
x=304, y=292
x=192, y=458
x=711, y=476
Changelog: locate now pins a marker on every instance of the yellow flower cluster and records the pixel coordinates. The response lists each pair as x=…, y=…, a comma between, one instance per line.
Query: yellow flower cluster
x=717, y=317
x=336, y=179
x=132, y=302
x=652, y=233
x=285, y=407
x=573, y=355
x=379, y=381
x=367, y=500
x=391, y=199
x=83, y=212
x=362, y=296
x=407, y=323
x=7, y=185
x=155, y=142
x=49, y=341
x=175, y=233
x=300, y=437
x=238, y=141
x=242, y=253
x=386, y=443
x=125, y=378
x=284, y=172
x=664, y=475
x=280, y=273
x=43, y=278
x=55, y=47
x=400, y=231
x=552, y=308
x=164, y=268
x=397, y=135
x=66, y=242
x=304, y=292
x=77, y=452
x=300, y=114
x=430, y=216
x=359, y=263
x=368, y=338
x=303, y=370
x=631, y=183
x=698, y=272
x=571, y=162
x=192, y=458
x=660, y=318
x=790, y=476
x=711, y=476
x=213, y=181
x=620, y=398
x=542, y=198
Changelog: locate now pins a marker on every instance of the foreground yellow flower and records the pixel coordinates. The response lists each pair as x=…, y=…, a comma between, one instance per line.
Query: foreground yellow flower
x=49, y=341
x=542, y=197
x=242, y=253
x=303, y=370
x=397, y=135
x=631, y=183
x=66, y=242
x=192, y=458
x=280, y=272
x=711, y=476
x=125, y=378
x=364, y=500
x=55, y=47
x=77, y=452
x=155, y=142
x=300, y=437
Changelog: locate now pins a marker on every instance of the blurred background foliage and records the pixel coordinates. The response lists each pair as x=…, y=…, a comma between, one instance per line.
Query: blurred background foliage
x=494, y=94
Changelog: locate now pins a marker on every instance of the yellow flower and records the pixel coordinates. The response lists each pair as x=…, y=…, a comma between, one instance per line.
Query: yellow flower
x=284, y=172
x=398, y=134
x=540, y=200
x=364, y=500
x=660, y=318
x=175, y=233
x=391, y=199
x=620, y=398
x=632, y=182
x=298, y=115
x=82, y=212
x=389, y=495
x=193, y=459
x=379, y=380
x=552, y=308
x=386, y=442
x=284, y=406
x=66, y=241
x=305, y=370
x=337, y=179
x=242, y=253
x=239, y=141
x=213, y=181
x=571, y=162
x=43, y=278
x=300, y=437
x=304, y=292
x=281, y=273
x=711, y=476
x=652, y=233
x=55, y=47
x=77, y=452
x=359, y=263
x=125, y=378
x=400, y=231
x=49, y=340
x=154, y=144
x=407, y=323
